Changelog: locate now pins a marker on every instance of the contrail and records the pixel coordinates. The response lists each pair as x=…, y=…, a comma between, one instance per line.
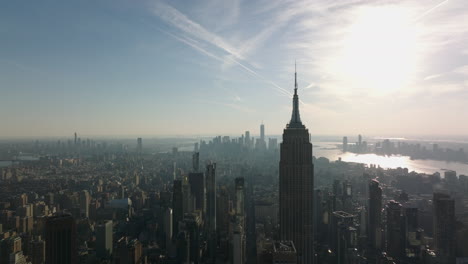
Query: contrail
x=178, y=20
x=192, y=44
x=430, y=10
x=279, y=89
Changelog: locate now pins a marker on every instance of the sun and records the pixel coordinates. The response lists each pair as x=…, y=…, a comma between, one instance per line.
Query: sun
x=379, y=50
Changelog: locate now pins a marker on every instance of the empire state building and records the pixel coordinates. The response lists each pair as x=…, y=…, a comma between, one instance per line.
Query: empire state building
x=296, y=185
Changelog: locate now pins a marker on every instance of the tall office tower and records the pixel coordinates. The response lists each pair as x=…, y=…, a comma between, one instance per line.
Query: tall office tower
x=260, y=144
x=375, y=215
x=412, y=233
x=211, y=210
x=196, y=147
x=187, y=196
x=444, y=227
x=223, y=212
x=345, y=144
x=272, y=143
x=18, y=258
x=237, y=241
x=262, y=132
x=250, y=229
x=359, y=140
x=247, y=139
x=8, y=246
x=394, y=234
x=136, y=176
x=85, y=199
x=139, y=145
x=192, y=225
x=197, y=188
x=76, y=138
x=37, y=251
x=182, y=248
x=195, y=161
x=240, y=196
x=296, y=185
x=343, y=236
x=104, y=239
x=168, y=226
x=177, y=206
x=60, y=239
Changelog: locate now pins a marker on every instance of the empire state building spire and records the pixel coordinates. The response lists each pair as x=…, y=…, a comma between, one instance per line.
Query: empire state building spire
x=295, y=118
x=296, y=186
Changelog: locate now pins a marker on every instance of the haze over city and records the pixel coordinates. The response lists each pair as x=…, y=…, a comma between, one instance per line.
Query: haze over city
x=162, y=68
x=234, y=132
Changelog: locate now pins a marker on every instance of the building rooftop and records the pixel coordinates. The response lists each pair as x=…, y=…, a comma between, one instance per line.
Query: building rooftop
x=284, y=246
x=342, y=214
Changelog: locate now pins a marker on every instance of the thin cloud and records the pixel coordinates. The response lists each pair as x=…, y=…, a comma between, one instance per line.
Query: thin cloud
x=430, y=10
x=178, y=20
x=434, y=76
x=463, y=70
x=192, y=43
x=234, y=106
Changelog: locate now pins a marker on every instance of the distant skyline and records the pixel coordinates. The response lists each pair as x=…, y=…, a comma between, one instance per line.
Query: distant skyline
x=161, y=68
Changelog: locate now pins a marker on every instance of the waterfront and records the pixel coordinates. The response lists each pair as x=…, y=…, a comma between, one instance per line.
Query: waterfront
x=330, y=151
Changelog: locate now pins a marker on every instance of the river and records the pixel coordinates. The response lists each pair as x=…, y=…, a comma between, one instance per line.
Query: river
x=331, y=152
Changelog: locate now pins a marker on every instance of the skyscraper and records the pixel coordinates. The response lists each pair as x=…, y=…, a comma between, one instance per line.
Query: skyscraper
x=211, y=209
x=240, y=196
x=195, y=161
x=104, y=239
x=296, y=185
x=37, y=251
x=85, y=199
x=197, y=188
x=444, y=227
x=375, y=215
x=261, y=143
x=139, y=145
x=168, y=227
x=247, y=139
x=394, y=234
x=60, y=238
x=262, y=132
x=178, y=206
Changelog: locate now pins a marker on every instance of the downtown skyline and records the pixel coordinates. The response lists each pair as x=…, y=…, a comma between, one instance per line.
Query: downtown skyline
x=159, y=68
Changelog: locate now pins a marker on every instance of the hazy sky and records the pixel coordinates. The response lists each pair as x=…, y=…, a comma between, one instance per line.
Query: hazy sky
x=125, y=67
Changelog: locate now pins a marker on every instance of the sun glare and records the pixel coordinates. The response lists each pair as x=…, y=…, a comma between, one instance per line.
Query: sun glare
x=379, y=50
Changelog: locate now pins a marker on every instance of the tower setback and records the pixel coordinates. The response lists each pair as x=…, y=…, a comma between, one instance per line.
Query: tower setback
x=296, y=186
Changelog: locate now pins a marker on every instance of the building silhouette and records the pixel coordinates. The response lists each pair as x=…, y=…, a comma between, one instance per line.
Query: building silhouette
x=177, y=206
x=60, y=239
x=375, y=215
x=104, y=239
x=195, y=161
x=197, y=189
x=296, y=186
x=211, y=210
x=262, y=132
x=444, y=227
x=343, y=237
x=394, y=232
x=139, y=145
